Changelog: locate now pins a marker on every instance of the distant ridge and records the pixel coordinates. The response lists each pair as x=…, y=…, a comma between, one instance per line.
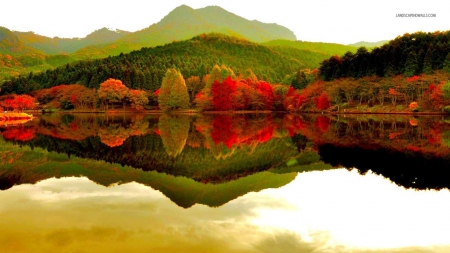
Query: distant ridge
x=369, y=44
x=58, y=45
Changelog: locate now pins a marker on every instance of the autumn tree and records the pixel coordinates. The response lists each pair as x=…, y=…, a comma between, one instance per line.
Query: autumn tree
x=138, y=99
x=219, y=74
x=18, y=102
x=173, y=92
x=214, y=75
x=323, y=102
x=266, y=93
x=112, y=91
x=222, y=93
x=194, y=85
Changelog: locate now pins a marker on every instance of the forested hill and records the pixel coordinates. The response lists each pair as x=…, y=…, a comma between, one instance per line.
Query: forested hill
x=145, y=68
x=322, y=47
x=410, y=54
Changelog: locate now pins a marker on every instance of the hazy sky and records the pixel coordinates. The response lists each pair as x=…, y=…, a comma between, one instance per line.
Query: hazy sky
x=340, y=21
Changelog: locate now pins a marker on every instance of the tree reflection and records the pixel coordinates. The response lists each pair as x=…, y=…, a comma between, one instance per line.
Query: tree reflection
x=174, y=130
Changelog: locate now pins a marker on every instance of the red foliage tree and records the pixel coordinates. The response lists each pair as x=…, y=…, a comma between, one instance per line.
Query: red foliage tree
x=293, y=100
x=412, y=79
x=265, y=89
x=323, y=102
x=437, y=95
x=223, y=94
x=18, y=102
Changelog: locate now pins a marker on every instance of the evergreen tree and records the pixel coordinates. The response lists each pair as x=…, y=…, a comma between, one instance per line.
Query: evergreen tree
x=155, y=81
x=300, y=81
x=411, y=64
x=148, y=80
x=427, y=61
x=447, y=63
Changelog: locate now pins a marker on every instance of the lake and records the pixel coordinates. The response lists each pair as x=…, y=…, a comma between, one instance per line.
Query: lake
x=225, y=183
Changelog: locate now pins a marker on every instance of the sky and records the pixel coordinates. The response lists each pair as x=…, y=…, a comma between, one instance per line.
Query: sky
x=337, y=21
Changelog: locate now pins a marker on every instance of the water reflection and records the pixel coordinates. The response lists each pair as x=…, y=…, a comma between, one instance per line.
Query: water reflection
x=330, y=211
x=147, y=184
x=413, y=152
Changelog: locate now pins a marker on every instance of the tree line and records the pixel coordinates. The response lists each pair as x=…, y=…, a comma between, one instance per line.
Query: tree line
x=410, y=54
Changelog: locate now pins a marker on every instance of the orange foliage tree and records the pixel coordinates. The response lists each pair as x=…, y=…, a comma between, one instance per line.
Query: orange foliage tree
x=112, y=91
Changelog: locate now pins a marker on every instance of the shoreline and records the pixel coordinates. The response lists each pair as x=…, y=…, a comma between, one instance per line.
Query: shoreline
x=15, y=116
x=194, y=111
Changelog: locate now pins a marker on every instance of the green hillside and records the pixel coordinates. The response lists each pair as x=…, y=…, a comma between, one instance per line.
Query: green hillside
x=145, y=68
x=319, y=47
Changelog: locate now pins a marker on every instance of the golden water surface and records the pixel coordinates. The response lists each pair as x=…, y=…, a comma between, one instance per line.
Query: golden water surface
x=323, y=211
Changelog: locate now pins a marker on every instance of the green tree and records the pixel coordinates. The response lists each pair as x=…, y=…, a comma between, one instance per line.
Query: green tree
x=446, y=90
x=447, y=63
x=427, y=62
x=411, y=65
x=300, y=81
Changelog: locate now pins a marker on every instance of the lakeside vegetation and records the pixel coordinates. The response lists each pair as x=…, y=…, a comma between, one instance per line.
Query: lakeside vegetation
x=181, y=75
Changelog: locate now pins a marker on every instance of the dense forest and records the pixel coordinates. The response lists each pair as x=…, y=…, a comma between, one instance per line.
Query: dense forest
x=410, y=54
x=144, y=69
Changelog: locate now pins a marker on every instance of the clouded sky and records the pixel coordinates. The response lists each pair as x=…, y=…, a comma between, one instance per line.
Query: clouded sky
x=340, y=21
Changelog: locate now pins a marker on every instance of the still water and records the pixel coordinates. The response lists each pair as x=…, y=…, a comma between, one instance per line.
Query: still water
x=225, y=183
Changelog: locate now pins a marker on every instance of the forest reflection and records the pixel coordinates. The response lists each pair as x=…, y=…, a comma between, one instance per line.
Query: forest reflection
x=411, y=151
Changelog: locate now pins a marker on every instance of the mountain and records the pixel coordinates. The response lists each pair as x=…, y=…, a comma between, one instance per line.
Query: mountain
x=40, y=53
x=11, y=44
x=184, y=23
x=64, y=46
x=369, y=44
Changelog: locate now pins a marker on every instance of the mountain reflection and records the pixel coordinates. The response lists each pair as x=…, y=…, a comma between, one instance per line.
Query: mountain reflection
x=412, y=152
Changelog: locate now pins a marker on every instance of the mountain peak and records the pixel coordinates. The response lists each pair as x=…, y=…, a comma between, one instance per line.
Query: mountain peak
x=182, y=14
